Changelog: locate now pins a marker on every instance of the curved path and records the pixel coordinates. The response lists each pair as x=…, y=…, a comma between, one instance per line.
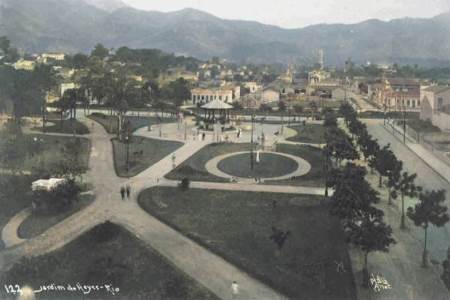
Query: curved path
x=9, y=232
x=194, y=260
x=303, y=167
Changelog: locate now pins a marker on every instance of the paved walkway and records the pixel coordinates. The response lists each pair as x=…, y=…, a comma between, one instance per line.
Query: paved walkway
x=194, y=260
x=251, y=187
x=9, y=232
x=303, y=167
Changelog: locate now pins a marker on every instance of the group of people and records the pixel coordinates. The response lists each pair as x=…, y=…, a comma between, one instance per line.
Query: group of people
x=125, y=191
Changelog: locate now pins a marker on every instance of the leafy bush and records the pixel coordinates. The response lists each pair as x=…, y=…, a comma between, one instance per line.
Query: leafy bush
x=56, y=200
x=185, y=184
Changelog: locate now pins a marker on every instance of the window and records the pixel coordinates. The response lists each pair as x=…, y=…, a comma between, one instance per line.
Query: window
x=414, y=104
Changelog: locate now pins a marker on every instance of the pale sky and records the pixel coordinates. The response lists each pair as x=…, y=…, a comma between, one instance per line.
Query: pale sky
x=299, y=13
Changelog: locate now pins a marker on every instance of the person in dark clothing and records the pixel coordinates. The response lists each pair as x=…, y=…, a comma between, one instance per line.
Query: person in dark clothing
x=128, y=191
x=122, y=192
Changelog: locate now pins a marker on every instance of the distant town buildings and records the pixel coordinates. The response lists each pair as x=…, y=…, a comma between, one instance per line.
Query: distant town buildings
x=47, y=57
x=397, y=94
x=23, y=64
x=227, y=94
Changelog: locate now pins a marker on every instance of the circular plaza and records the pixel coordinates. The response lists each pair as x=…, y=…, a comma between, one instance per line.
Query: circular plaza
x=264, y=165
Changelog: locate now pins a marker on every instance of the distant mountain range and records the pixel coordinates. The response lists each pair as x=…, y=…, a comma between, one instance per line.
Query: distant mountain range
x=77, y=25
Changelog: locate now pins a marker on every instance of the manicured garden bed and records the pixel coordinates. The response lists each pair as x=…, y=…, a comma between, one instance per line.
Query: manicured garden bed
x=238, y=226
x=106, y=255
x=309, y=133
x=270, y=165
x=143, y=153
x=37, y=224
x=194, y=167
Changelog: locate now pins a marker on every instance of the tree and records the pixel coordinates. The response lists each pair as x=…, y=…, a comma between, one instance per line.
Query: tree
x=353, y=195
x=80, y=61
x=100, y=51
x=352, y=201
x=393, y=176
x=281, y=106
x=370, y=234
x=177, y=92
x=429, y=210
x=58, y=199
x=406, y=187
x=45, y=78
x=369, y=147
x=313, y=109
x=279, y=237
x=339, y=145
x=383, y=161
x=10, y=54
x=330, y=119
x=23, y=90
x=298, y=109
x=446, y=270
x=347, y=111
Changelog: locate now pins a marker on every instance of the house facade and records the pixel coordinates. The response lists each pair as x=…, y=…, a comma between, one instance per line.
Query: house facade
x=436, y=106
x=398, y=94
x=205, y=95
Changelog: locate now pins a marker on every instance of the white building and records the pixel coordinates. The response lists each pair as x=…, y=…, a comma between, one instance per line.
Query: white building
x=435, y=106
x=202, y=95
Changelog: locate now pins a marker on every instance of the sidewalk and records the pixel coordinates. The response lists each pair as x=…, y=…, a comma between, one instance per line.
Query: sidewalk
x=428, y=157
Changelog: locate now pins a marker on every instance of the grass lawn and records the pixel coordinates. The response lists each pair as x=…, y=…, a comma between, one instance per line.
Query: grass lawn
x=270, y=165
x=237, y=226
x=310, y=133
x=14, y=197
x=152, y=151
x=43, y=152
x=36, y=224
x=313, y=155
x=194, y=167
x=109, y=255
x=65, y=127
x=110, y=123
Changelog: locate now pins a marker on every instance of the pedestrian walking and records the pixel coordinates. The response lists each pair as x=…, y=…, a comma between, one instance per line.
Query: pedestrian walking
x=234, y=289
x=128, y=190
x=122, y=192
x=203, y=136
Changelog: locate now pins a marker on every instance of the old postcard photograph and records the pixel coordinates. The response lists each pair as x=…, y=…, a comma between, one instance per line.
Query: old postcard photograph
x=235, y=150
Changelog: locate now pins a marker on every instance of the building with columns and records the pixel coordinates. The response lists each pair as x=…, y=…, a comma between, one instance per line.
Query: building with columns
x=225, y=94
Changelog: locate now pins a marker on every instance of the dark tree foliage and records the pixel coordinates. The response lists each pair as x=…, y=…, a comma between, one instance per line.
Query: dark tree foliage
x=429, y=210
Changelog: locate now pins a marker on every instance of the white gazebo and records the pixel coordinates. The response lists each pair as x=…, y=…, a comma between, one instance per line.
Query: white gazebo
x=222, y=108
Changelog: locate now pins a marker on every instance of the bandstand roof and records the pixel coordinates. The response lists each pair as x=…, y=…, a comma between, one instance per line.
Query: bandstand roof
x=217, y=105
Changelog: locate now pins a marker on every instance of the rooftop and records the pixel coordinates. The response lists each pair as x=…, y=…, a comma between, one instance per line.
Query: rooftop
x=437, y=89
x=217, y=104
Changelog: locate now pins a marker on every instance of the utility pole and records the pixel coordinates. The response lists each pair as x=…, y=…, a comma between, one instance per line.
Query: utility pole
x=251, y=142
x=404, y=124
